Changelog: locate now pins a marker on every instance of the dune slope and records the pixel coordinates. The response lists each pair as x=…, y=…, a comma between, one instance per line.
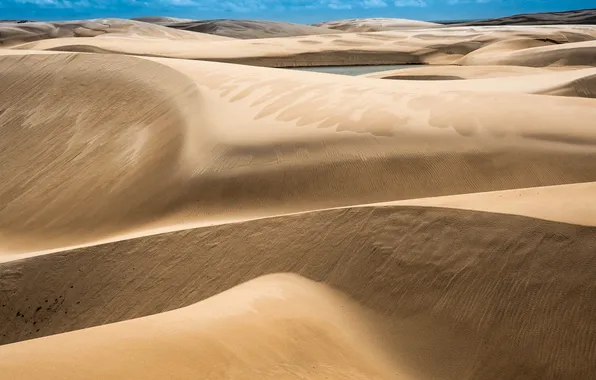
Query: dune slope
x=248, y=29
x=14, y=33
x=185, y=149
x=431, y=46
x=518, y=291
x=376, y=24
x=181, y=218
x=581, y=16
x=274, y=327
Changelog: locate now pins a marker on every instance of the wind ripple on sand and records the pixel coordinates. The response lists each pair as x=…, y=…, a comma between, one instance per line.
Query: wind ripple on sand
x=564, y=45
x=460, y=294
x=433, y=292
x=211, y=139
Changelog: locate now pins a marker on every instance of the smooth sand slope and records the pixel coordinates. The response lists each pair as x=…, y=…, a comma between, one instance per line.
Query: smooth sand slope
x=247, y=29
x=268, y=328
x=13, y=33
x=376, y=24
x=450, y=72
x=211, y=141
x=459, y=294
x=208, y=220
x=554, y=46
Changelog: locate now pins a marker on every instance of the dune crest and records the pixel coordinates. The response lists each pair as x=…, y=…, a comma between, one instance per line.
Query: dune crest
x=14, y=33
x=273, y=327
x=168, y=209
x=566, y=45
x=186, y=150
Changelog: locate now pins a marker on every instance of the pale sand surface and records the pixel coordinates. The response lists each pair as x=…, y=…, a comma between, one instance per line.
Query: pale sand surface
x=564, y=45
x=447, y=72
x=185, y=149
x=561, y=203
x=376, y=24
x=263, y=329
x=434, y=229
x=12, y=33
x=247, y=29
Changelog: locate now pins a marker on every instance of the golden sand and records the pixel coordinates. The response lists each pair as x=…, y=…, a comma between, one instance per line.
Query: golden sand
x=163, y=215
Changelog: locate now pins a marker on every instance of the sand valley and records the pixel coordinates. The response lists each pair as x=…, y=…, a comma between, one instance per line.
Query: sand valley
x=240, y=199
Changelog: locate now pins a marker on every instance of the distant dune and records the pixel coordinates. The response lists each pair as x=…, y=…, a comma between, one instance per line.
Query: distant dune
x=561, y=45
x=582, y=16
x=376, y=24
x=12, y=33
x=245, y=29
x=161, y=19
x=451, y=72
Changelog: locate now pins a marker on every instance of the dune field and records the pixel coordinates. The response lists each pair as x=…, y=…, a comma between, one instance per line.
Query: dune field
x=180, y=203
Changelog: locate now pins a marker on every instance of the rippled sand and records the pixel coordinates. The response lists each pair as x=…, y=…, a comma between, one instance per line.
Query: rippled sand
x=167, y=216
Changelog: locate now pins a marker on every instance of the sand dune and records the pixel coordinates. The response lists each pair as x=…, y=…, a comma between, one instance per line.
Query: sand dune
x=571, y=54
x=180, y=218
x=564, y=45
x=376, y=24
x=161, y=19
x=440, y=72
x=454, y=286
x=185, y=149
x=267, y=328
x=582, y=16
x=12, y=33
x=247, y=29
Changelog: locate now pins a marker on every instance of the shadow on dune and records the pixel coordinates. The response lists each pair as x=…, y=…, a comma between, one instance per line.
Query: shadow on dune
x=523, y=289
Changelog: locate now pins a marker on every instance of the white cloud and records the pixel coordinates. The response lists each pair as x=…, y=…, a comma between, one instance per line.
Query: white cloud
x=411, y=3
x=374, y=4
x=336, y=4
x=455, y=2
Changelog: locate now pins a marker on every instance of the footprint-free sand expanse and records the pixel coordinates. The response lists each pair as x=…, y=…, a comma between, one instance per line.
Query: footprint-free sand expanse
x=169, y=209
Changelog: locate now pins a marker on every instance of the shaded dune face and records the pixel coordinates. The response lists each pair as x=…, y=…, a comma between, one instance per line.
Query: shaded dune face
x=582, y=16
x=278, y=326
x=102, y=151
x=217, y=141
x=462, y=293
x=85, y=145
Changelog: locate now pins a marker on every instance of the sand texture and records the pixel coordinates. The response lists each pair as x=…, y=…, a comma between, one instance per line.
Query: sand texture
x=14, y=33
x=517, y=46
x=582, y=16
x=376, y=24
x=450, y=72
x=245, y=29
x=166, y=212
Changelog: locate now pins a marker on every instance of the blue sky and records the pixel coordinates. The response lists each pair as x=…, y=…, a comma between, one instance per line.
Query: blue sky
x=305, y=11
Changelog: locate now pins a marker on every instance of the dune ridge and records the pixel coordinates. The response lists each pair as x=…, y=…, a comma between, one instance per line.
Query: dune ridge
x=413, y=266
x=376, y=24
x=167, y=212
x=292, y=319
x=165, y=159
x=14, y=33
x=459, y=45
x=246, y=29
x=580, y=16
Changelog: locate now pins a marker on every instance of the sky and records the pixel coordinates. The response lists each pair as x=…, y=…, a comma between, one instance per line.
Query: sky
x=301, y=11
